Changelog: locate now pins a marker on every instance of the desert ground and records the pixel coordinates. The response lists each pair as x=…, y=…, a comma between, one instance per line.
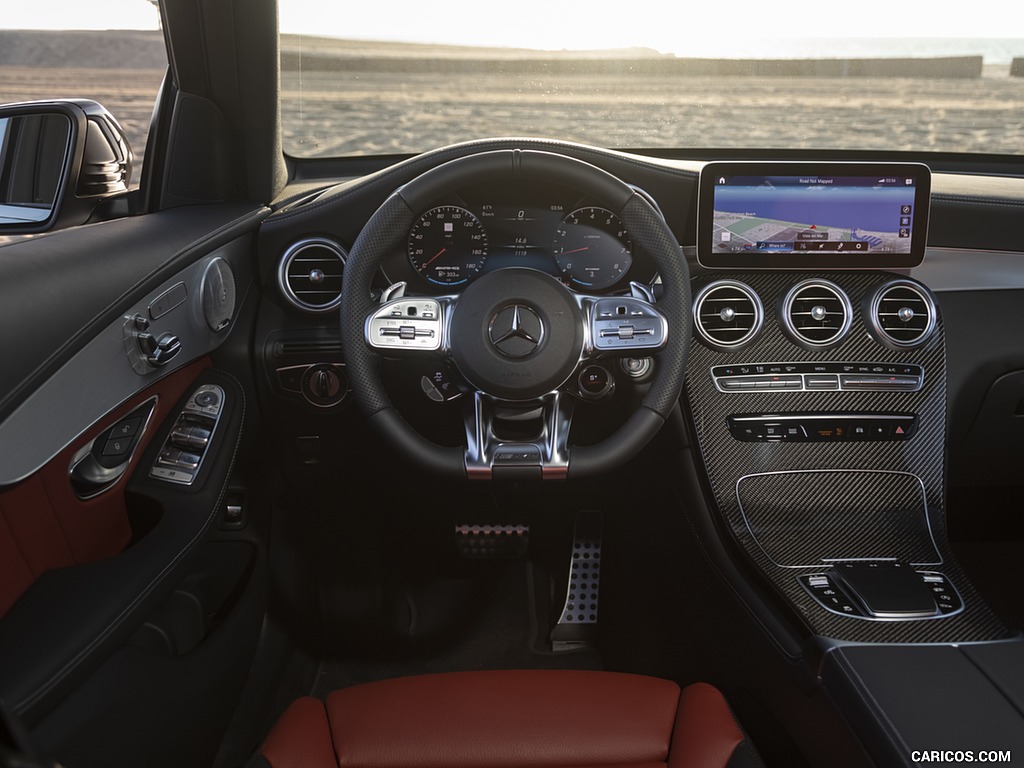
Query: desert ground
x=364, y=98
x=355, y=113
x=128, y=94
x=371, y=112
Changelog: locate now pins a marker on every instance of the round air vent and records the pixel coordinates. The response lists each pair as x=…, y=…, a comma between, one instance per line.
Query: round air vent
x=310, y=274
x=902, y=314
x=816, y=313
x=728, y=314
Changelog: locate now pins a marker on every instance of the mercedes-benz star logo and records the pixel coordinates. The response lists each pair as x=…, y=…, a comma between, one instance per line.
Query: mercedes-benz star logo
x=516, y=331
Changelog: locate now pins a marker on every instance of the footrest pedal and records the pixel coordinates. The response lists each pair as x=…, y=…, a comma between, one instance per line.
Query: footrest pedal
x=476, y=542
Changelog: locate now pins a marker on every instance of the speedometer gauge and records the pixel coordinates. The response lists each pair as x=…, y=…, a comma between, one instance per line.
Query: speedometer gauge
x=448, y=245
x=592, y=248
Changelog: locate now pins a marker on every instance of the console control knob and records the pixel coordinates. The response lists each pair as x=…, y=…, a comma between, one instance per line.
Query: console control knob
x=324, y=385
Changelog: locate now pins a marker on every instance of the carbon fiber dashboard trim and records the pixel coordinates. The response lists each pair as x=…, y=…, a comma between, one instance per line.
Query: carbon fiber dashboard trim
x=797, y=530
x=806, y=464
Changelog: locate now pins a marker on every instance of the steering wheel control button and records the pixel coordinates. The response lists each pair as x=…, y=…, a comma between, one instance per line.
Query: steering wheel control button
x=406, y=324
x=595, y=382
x=627, y=323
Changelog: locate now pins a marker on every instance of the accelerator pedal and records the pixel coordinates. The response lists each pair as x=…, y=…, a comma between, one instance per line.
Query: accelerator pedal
x=577, y=625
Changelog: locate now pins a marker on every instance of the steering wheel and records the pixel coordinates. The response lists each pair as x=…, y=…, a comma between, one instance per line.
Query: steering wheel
x=517, y=335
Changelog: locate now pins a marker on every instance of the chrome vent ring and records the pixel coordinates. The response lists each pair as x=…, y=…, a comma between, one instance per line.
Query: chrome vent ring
x=902, y=314
x=817, y=313
x=310, y=274
x=728, y=314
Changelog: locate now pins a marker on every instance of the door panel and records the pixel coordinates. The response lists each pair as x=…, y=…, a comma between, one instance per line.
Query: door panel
x=46, y=526
x=65, y=289
x=81, y=574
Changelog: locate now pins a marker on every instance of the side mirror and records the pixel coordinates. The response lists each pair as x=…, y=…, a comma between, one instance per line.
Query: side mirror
x=58, y=161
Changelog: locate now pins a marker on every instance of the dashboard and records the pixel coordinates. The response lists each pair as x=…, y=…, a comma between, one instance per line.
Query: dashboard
x=549, y=228
x=813, y=378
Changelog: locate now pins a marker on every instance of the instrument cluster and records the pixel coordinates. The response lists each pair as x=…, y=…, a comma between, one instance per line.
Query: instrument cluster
x=551, y=229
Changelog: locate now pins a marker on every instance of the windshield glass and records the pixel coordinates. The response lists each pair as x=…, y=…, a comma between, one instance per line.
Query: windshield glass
x=405, y=77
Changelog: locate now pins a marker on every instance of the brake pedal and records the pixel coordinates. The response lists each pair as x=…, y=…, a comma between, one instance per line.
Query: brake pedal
x=482, y=542
x=577, y=625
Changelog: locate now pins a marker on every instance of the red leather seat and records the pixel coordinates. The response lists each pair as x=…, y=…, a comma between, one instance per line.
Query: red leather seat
x=502, y=719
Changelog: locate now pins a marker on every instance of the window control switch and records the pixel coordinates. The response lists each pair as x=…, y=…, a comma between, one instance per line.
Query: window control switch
x=181, y=458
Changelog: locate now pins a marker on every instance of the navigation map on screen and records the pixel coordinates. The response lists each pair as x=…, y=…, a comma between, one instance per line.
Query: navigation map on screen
x=813, y=214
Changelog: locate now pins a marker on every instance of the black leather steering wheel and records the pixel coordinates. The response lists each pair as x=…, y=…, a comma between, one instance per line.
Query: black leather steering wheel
x=517, y=335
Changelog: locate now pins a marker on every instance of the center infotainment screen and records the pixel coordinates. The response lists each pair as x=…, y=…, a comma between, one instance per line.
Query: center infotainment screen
x=812, y=215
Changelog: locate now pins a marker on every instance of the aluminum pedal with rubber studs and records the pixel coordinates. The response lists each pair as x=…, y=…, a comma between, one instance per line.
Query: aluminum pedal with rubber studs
x=577, y=624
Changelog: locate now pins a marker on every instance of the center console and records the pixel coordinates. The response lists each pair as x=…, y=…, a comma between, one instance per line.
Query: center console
x=817, y=388
x=817, y=391
x=817, y=380
x=824, y=445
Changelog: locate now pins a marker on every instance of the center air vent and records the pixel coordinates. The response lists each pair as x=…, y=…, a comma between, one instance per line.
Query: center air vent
x=817, y=313
x=310, y=274
x=728, y=314
x=902, y=314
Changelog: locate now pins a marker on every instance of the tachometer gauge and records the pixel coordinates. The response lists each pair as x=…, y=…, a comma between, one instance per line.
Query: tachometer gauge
x=448, y=245
x=592, y=248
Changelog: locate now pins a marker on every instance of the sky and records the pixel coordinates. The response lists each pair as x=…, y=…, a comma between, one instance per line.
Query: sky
x=682, y=26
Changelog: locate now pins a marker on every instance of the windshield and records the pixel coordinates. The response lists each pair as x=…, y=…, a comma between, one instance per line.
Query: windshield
x=402, y=77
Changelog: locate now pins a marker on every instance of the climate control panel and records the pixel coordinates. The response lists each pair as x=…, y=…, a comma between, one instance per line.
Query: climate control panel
x=818, y=377
x=821, y=427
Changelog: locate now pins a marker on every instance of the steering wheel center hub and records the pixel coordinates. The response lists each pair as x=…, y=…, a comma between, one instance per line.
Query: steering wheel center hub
x=517, y=331
x=517, y=334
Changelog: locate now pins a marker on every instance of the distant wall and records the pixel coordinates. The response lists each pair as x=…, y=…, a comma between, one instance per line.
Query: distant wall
x=1017, y=68
x=951, y=67
x=145, y=50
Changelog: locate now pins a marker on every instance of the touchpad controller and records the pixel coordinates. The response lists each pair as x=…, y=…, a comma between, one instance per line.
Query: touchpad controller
x=887, y=590
x=883, y=591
